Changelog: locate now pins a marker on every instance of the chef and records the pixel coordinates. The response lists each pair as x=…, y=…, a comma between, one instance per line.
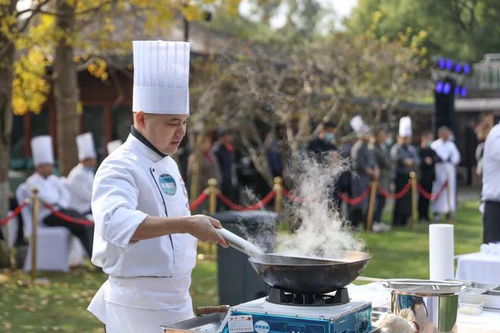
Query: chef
x=145, y=236
x=491, y=186
x=365, y=169
x=80, y=179
x=406, y=160
x=445, y=168
x=52, y=191
x=113, y=145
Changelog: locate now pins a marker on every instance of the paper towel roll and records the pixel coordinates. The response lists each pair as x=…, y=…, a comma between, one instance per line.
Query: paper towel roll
x=441, y=252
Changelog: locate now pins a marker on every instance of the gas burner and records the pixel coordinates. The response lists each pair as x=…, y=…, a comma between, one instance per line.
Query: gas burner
x=282, y=297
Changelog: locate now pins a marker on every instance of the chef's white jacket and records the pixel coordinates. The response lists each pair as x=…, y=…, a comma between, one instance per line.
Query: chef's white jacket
x=51, y=190
x=79, y=184
x=491, y=166
x=153, y=274
x=445, y=171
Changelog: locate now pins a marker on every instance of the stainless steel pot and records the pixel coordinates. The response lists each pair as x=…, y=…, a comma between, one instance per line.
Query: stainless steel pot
x=432, y=304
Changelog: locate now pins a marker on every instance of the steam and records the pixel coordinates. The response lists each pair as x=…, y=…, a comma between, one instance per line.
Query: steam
x=321, y=231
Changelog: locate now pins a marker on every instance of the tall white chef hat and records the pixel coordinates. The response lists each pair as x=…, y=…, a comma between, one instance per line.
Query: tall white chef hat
x=85, y=144
x=405, y=128
x=161, y=77
x=41, y=149
x=359, y=126
x=112, y=145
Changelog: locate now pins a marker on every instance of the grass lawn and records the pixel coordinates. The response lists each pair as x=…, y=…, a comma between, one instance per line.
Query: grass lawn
x=59, y=305
x=404, y=253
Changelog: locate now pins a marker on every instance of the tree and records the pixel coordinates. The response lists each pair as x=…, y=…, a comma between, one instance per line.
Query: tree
x=69, y=36
x=11, y=28
x=459, y=29
x=79, y=35
x=277, y=91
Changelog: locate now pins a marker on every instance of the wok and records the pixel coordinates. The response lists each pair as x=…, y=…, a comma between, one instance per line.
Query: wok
x=301, y=274
x=310, y=275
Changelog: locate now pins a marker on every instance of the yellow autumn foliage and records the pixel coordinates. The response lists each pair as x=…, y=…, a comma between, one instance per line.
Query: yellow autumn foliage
x=35, y=47
x=30, y=87
x=98, y=68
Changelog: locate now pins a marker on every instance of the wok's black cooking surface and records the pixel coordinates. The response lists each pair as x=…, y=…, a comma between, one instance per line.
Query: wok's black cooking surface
x=309, y=275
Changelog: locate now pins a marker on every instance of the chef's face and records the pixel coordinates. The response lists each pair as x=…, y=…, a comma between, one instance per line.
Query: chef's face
x=381, y=137
x=444, y=134
x=44, y=170
x=89, y=162
x=404, y=140
x=164, y=131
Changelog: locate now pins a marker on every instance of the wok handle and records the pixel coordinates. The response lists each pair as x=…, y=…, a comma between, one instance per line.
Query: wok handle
x=205, y=310
x=240, y=244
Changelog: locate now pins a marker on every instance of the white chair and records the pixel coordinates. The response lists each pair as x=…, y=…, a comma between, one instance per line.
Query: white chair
x=53, y=243
x=11, y=231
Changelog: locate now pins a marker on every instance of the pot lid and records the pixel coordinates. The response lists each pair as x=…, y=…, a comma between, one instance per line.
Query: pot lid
x=426, y=286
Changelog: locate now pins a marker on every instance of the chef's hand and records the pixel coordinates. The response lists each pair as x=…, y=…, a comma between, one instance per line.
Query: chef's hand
x=205, y=229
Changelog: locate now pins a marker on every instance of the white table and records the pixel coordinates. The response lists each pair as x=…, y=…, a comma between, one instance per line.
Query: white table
x=479, y=267
x=486, y=322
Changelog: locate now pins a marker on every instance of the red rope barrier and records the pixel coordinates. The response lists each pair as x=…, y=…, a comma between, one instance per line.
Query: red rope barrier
x=357, y=200
x=395, y=196
x=430, y=196
x=342, y=196
x=13, y=214
x=203, y=196
x=295, y=198
x=255, y=206
x=67, y=218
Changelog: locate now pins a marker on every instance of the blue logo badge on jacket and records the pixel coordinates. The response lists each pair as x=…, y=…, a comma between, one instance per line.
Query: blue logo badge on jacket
x=167, y=184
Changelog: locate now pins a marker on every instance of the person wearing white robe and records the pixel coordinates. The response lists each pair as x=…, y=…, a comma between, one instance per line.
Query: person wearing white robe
x=491, y=186
x=80, y=179
x=113, y=145
x=52, y=191
x=145, y=236
x=449, y=158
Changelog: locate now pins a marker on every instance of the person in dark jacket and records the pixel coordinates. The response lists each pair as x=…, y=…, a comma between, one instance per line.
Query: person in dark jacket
x=406, y=160
x=323, y=144
x=324, y=150
x=365, y=170
x=383, y=158
x=226, y=157
x=428, y=159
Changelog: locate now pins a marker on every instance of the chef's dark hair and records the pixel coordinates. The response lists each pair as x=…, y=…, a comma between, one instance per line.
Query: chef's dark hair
x=329, y=124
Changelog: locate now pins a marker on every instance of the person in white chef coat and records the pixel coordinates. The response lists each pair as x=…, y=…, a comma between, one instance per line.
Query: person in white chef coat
x=491, y=186
x=145, y=236
x=52, y=191
x=80, y=179
x=445, y=167
x=406, y=160
x=113, y=145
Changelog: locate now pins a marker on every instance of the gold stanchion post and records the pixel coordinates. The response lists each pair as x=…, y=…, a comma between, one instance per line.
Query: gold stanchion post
x=371, y=205
x=278, y=198
x=34, y=232
x=414, y=199
x=212, y=196
x=212, y=205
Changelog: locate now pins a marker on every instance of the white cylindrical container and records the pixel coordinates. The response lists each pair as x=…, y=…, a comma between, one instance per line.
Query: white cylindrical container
x=441, y=252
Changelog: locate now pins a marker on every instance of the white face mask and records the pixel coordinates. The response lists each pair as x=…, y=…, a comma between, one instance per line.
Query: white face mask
x=389, y=141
